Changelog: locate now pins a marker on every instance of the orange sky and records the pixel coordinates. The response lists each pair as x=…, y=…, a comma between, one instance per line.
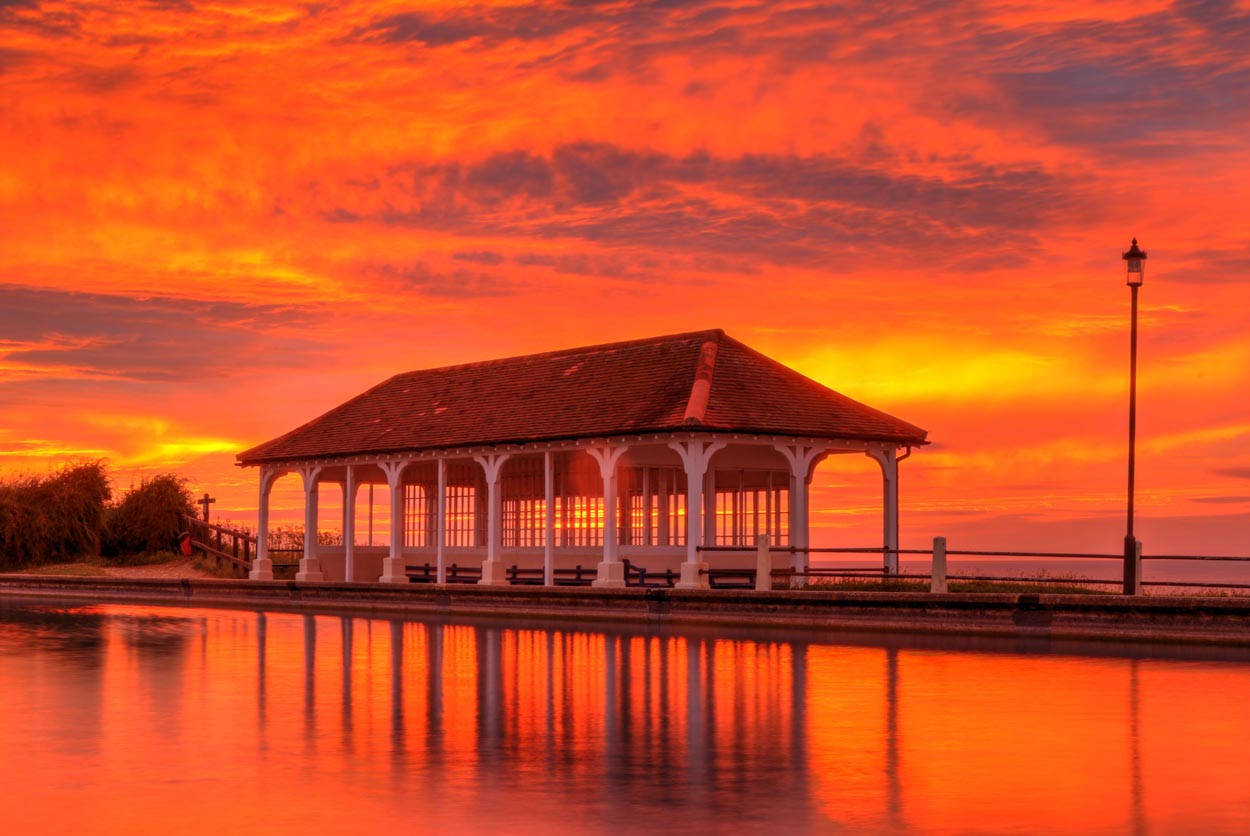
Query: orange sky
x=220, y=219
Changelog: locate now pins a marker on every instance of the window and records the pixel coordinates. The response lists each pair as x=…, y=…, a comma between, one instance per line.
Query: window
x=750, y=503
x=655, y=506
x=523, y=486
x=466, y=505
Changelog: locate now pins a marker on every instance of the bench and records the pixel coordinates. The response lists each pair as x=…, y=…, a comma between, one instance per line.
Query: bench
x=425, y=573
x=731, y=578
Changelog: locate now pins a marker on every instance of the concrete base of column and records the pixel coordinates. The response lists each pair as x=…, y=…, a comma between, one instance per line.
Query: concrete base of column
x=494, y=573
x=611, y=575
x=393, y=571
x=262, y=570
x=310, y=570
x=693, y=576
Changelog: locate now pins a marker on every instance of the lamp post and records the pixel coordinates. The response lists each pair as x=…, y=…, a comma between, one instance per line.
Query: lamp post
x=1135, y=261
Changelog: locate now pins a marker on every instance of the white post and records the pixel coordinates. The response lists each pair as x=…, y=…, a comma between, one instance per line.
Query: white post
x=803, y=460
x=549, y=549
x=493, y=572
x=937, y=582
x=349, y=525
x=440, y=548
x=695, y=456
x=889, y=505
x=611, y=570
x=262, y=568
x=393, y=570
x=662, y=534
x=763, y=565
x=709, y=508
x=310, y=566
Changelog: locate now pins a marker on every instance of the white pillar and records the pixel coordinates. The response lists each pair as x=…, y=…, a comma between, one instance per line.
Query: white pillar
x=709, y=508
x=889, y=505
x=393, y=570
x=262, y=568
x=803, y=460
x=349, y=524
x=695, y=455
x=611, y=570
x=440, y=549
x=310, y=566
x=549, y=550
x=493, y=572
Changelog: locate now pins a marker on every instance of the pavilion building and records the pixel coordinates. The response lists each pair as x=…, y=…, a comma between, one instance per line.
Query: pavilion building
x=645, y=450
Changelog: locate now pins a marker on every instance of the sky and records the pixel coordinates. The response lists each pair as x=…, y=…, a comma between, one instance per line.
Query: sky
x=220, y=219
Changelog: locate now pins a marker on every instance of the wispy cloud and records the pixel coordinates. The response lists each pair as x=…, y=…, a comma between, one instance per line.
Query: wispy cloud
x=222, y=219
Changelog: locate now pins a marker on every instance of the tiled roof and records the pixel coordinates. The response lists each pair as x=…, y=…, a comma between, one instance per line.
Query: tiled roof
x=698, y=381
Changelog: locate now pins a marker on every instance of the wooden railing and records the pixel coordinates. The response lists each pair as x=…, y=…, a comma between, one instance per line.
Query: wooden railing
x=237, y=547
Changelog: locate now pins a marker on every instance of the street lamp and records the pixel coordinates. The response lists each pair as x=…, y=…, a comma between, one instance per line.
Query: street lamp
x=1135, y=261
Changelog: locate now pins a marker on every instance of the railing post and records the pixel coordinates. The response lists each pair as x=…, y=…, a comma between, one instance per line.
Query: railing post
x=1132, y=566
x=937, y=581
x=763, y=565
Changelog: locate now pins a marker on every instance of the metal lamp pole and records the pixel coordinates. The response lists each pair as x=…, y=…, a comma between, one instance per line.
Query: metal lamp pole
x=1135, y=260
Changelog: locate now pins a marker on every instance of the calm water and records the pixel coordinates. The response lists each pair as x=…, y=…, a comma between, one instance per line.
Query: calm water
x=163, y=720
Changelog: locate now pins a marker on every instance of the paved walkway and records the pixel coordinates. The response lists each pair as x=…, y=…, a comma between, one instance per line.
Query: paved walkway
x=180, y=568
x=171, y=570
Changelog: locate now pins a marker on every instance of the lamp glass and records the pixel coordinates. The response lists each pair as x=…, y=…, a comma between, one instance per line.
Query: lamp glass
x=1136, y=271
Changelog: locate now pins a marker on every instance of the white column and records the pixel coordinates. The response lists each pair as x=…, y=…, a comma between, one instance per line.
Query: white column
x=803, y=460
x=349, y=524
x=440, y=549
x=262, y=568
x=310, y=566
x=709, y=508
x=549, y=551
x=393, y=570
x=888, y=460
x=493, y=572
x=611, y=570
x=695, y=456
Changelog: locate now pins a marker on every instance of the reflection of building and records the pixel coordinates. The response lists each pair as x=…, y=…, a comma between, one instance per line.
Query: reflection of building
x=643, y=450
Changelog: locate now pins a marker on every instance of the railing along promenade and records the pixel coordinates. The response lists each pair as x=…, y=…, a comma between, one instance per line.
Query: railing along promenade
x=938, y=576
x=238, y=548
x=228, y=544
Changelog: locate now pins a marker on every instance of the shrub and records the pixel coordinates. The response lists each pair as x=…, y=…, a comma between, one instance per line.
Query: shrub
x=60, y=517
x=148, y=518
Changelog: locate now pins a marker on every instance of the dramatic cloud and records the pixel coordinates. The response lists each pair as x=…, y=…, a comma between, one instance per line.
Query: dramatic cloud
x=52, y=334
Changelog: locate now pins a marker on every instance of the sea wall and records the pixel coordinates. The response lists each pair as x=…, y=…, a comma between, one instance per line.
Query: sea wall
x=1209, y=620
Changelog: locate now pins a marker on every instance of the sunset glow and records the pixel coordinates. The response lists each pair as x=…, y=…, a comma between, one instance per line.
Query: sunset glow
x=219, y=220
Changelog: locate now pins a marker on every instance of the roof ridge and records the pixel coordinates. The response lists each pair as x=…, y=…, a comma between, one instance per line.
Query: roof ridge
x=701, y=387
x=564, y=352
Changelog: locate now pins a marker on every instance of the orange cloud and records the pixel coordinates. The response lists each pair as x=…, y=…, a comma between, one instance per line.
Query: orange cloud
x=220, y=221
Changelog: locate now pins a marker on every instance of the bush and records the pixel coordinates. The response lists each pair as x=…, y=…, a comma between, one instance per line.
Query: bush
x=59, y=518
x=148, y=518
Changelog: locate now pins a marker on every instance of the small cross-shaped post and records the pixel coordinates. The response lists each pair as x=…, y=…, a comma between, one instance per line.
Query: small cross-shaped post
x=206, y=501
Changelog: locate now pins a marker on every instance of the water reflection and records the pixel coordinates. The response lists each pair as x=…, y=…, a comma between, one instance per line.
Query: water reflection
x=141, y=715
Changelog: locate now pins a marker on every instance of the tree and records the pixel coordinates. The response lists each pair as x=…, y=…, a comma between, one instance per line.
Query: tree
x=148, y=518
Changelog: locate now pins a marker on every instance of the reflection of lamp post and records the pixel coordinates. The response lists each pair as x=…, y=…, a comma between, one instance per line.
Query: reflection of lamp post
x=1135, y=259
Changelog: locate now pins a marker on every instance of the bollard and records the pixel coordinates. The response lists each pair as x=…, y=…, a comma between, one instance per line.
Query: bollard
x=1132, y=566
x=937, y=583
x=763, y=565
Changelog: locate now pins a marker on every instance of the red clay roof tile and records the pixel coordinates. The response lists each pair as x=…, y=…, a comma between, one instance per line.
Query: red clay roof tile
x=652, y=385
